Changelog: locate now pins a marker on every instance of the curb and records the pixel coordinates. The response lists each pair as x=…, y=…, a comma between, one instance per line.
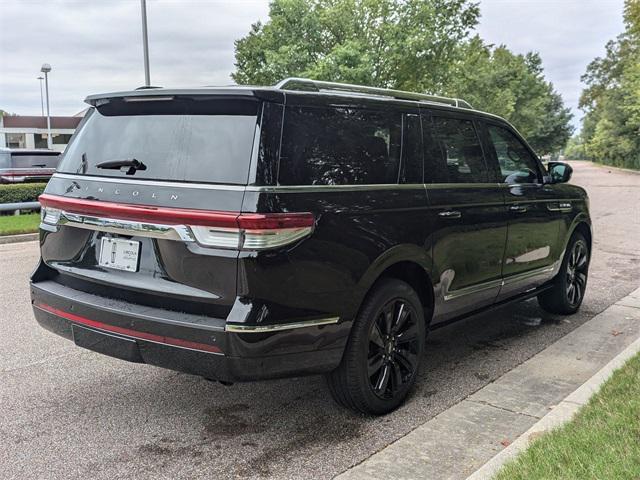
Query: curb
x=25, y=237
x=473, y=438
x=561, y=414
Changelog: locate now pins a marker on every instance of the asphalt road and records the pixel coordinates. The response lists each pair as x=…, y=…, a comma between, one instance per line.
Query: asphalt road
x=70, y=413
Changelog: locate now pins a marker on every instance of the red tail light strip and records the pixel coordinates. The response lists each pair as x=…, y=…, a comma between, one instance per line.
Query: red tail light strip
x=176, y=342
x=178, y=216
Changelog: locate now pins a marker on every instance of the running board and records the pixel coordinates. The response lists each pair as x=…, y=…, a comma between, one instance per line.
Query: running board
x=495, y=306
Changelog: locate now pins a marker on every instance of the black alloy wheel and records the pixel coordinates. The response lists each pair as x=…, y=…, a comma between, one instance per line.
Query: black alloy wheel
x=569, y=286
x=577, y=269
x=393, y=349
x=382, y=357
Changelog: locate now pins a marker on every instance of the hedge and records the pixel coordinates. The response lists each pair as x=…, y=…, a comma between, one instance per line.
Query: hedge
x=21, y=192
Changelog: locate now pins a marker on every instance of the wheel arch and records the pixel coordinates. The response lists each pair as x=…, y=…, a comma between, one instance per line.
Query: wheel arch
x=585, y=229
x=408, y=263
x=581, y=224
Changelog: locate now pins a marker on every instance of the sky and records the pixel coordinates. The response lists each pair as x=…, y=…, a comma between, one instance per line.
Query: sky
x=96, y=46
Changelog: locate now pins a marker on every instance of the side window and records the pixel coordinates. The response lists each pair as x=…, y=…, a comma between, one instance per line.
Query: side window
x=461, y=159
x=340, y=146
x=517, y=165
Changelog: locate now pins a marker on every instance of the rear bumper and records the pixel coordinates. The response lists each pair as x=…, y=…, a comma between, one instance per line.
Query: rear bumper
x=20, y=175
x=189, y=343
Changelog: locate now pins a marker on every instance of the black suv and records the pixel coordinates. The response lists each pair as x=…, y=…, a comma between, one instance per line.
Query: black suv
x=247, y=233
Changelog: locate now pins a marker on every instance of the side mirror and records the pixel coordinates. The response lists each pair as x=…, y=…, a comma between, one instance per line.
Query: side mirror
x=559, y=172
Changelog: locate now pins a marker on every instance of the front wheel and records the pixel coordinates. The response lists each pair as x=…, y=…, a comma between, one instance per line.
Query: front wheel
x=383, y=353
x=567, y=293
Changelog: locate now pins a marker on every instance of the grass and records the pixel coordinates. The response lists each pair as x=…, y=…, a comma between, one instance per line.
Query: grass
x=15, y=224
x=601, y=442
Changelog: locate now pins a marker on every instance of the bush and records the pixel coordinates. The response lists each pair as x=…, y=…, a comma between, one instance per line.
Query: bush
x=21, y=192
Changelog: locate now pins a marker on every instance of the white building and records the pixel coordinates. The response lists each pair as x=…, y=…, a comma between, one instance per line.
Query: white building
x=23, y=131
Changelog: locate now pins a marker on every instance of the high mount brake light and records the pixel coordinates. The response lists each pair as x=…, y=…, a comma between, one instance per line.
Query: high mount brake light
x=244, y=231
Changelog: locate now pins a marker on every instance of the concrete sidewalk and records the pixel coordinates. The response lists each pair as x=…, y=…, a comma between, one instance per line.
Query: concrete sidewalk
x=456, y=443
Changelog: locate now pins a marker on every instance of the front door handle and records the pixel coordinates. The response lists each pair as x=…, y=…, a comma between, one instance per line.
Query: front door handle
x=450, y=214
x=518, y=208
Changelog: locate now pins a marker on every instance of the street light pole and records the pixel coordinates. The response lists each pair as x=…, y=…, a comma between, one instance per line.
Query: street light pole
x=145, y=43
x=46, y=68
x=41, y=96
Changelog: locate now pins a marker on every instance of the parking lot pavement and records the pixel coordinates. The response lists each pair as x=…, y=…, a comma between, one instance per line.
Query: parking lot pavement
x=70, y=413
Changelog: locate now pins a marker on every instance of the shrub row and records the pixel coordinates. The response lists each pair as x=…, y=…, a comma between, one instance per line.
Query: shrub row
x=21, y=192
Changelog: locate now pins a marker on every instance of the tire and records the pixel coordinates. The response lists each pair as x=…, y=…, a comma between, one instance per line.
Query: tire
x=384, y=350
x=567, y=293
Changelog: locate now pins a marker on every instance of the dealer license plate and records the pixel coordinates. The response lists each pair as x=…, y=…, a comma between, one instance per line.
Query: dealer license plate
x=119, y=253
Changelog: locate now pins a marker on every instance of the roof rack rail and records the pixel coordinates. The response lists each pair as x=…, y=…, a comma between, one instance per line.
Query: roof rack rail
x=308, y=85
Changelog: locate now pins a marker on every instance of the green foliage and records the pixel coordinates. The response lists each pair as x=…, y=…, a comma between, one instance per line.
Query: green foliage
x=611, y=128
x=415, y=45
x=513, y=86
x=374, y=42
x=17, y=224
x=21, y=192
x=575, y=149
x=601, y=441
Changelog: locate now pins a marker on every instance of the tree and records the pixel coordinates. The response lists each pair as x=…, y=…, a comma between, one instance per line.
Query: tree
x=381, y=43
x=513, y=86
x=415, y=45
x=575, y=149
x=611, y=101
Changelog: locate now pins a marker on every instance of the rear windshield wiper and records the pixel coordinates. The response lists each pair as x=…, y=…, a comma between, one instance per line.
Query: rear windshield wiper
x=133, y=164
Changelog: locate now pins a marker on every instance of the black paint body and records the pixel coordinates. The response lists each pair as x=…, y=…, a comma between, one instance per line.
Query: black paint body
x=182, y=290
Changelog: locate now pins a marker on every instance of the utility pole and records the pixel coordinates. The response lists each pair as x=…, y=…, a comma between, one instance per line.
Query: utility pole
x=41, y=96
x=145, y=44
x=46, y=68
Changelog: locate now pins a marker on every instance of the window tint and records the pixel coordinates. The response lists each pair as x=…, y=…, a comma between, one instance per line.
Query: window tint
x=26, y=160
x=461, y=159
x=517, y=165
x=340, y=146
x=185, y=147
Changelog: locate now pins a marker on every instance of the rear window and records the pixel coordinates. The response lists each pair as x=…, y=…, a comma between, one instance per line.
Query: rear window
x=180, y=140
x=340, y=146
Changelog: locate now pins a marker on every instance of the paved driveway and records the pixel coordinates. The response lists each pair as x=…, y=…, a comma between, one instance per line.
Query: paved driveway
x=70, y=413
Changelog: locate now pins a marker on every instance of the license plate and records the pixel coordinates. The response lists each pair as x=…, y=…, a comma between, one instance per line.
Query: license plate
x=119, y=253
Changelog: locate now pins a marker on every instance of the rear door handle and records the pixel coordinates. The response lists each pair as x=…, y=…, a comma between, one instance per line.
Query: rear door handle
x=518, y=208
x=450, y=214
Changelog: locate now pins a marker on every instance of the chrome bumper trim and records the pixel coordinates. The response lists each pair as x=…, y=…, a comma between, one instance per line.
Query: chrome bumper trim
x=125, y=227
x=235, y=328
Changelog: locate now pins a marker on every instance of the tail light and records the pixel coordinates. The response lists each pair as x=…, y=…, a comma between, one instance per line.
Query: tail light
x=232, y=230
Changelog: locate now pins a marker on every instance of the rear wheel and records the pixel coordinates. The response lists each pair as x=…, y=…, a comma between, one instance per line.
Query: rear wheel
x=570, y=284
x=383, y=353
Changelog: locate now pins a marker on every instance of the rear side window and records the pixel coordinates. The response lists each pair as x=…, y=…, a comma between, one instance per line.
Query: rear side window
x=182, y=140
x=459, y=157
x=517, y=165
x=340, y=146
